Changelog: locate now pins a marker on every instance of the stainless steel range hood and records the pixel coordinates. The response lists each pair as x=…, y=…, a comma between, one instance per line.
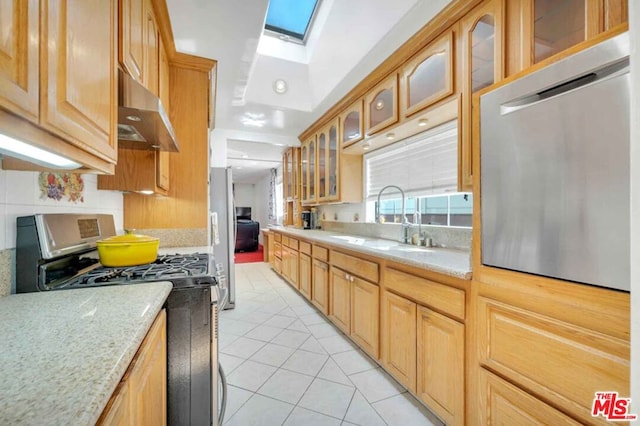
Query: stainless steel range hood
x=143, y=122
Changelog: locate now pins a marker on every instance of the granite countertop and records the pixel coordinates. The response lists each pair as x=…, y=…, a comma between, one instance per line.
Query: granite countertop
x=452, y=262
x=64, y=352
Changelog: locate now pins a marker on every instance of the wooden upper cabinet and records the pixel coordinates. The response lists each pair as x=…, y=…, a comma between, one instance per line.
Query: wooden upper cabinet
x=151, y=61
x=352, y=124
x=78, y=94
x=538, y=29
x=19, y=64
x=381, y=105
x=428, y=77
x=560, y=24
x=132, y=37
x=481, y=65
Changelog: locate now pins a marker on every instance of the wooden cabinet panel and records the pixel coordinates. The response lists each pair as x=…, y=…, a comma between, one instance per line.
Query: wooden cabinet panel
x=277, y=265
x=78, y=93
x=564, y=363
x=616, y=12
x=277, y=237
x=320, y=286
x=132, y=38
x=340, y=299
x=429, y=77
x=398, y=338
x=440, y=365
x=320, y=253
x=505, y=404
x=305, y=248
x=148, y=378
x=151, y=61
x=118, y=409
x=441, y=297
x=557, y=26
x=354, y=265
x=277, y=247
x=365, y=315
x=381, y=105
x=141, y=396
x=19, y=63
x=293, y=268
x=305, y=275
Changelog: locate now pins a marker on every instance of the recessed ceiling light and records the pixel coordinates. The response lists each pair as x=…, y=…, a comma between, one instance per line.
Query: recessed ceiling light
x=280, y=86
x=391, y=136
x=423, y=122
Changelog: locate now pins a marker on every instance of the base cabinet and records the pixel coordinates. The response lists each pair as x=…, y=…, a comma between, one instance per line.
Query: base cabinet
x=320, y=286
x=304, y=275
x=441, y=365
x=365, y=316
x=141, y=397
x=340, y=299
x=398, y=345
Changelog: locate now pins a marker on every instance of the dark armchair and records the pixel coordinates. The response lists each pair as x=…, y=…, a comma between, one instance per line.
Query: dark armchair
x=247, y=235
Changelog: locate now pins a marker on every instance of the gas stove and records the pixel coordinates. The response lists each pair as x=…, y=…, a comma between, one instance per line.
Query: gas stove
x=183, y=269
x=58, y=251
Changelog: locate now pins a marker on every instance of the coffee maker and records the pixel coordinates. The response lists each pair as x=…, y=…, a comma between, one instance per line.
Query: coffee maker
x=306, y=219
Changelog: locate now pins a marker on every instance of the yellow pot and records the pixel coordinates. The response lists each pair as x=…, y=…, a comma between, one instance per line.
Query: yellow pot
x=128, y=250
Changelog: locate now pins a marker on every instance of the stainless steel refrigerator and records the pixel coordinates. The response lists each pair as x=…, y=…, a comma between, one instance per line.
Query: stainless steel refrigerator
x=223, y=226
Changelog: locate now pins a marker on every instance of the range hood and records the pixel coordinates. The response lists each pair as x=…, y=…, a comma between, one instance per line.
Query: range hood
x=143, y=122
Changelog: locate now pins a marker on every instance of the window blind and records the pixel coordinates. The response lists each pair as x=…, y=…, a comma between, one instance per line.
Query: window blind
x=424, y=164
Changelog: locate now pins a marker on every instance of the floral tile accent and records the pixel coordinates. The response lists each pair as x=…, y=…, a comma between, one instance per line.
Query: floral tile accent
x=57, y=186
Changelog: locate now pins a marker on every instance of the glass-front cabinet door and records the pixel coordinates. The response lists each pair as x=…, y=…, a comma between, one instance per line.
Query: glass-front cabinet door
x=481, y=65
x=295, y=172
x=322, y=165
x=333, y=155
x=351, y=125
x=381, y=105
x=558, y=25
x=428, y=77
x=304, y=171
x=311, y=179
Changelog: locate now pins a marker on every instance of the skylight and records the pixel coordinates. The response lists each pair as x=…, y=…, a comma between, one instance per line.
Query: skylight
x=290, y=18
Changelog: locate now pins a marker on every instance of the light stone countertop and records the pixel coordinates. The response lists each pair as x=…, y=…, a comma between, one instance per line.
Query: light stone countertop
x=452, y=262
x=62, y=353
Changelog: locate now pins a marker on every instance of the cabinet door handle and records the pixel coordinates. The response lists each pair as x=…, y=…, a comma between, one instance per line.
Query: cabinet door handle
x=352, y=279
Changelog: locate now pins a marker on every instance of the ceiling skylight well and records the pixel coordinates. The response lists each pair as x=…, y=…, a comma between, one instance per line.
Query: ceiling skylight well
x=290, y=19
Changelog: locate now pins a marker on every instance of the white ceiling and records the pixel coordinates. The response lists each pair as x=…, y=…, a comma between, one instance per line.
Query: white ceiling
x=348, y=39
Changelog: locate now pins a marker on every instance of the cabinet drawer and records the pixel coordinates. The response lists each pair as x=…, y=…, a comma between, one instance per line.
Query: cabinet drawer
x=277, y=250
x=506, y=404
x=441, y=297
x=293, y=243
x=559, y=361
x=285, y=240
x=354, y=265
x=305, y=248
x=320, y=253
x=277, y=237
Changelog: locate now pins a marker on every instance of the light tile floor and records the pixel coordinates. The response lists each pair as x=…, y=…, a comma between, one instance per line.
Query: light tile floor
x=286, y=364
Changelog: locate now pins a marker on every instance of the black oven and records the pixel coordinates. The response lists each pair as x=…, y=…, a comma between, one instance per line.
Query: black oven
x=57, y=252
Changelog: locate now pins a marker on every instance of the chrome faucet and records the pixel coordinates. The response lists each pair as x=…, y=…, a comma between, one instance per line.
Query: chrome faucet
x=405, y=222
